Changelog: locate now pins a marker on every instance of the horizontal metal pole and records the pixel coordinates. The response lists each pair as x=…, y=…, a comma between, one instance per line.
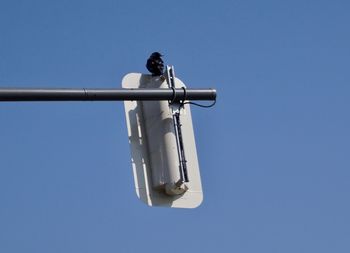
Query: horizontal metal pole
x=35, y=94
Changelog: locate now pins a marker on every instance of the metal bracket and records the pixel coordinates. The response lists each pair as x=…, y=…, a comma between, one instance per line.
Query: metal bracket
x=176, y=111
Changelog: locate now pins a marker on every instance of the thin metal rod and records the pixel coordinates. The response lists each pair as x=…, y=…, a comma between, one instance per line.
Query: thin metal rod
x=40, y=94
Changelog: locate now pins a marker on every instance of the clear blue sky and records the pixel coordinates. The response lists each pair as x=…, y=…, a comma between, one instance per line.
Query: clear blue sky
x=274, y=151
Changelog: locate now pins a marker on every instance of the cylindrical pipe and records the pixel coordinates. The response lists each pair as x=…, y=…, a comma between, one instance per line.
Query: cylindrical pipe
x=41, y=94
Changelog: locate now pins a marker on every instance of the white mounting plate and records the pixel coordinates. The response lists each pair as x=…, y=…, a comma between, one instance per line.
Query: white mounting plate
x=139, y=145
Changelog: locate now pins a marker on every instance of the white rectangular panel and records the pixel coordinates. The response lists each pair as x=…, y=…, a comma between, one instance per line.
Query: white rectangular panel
x=153, y=146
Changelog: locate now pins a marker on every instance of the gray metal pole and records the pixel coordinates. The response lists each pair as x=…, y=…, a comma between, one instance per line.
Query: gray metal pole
x=35, y=94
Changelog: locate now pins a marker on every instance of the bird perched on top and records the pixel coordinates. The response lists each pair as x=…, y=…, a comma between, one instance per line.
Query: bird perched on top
x=155, y=64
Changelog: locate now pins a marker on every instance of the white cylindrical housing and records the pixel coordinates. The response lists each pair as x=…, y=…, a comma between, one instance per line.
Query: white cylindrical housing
x=162, y=146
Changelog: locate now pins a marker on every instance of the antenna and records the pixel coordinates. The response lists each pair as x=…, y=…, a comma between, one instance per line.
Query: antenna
x=163, y=150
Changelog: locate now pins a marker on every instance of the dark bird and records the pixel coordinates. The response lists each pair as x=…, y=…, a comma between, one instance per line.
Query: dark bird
x=155, y=64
